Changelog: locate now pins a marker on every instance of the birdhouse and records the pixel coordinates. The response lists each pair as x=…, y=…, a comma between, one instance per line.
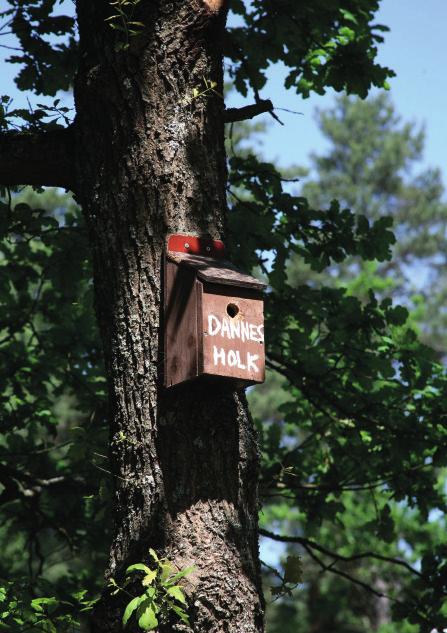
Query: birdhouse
x=213, y=316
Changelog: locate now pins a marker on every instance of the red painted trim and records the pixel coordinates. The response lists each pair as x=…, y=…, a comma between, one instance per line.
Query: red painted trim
x=195, y=245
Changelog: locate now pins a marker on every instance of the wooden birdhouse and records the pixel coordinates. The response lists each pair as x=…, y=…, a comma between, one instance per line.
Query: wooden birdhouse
x=213, y=316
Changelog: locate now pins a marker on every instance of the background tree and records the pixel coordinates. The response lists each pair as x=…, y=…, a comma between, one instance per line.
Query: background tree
x=145, y=157
x=372, y=165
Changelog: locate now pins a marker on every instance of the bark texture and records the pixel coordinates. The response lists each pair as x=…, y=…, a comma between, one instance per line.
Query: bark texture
x=152, y=162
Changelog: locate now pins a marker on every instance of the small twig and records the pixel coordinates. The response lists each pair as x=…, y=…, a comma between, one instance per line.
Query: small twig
x=42, y=450
x=273, y=570
x=272, y=114
x=289, y=111
x=269, y=172
x=109, y=472
x=10, y=48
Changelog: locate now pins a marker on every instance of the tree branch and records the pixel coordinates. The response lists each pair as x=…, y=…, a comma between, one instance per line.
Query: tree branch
x=231, y=115
x=20, y=485
x=343, y=574
x=306, y=543
x=38, y=158
x=309, y=545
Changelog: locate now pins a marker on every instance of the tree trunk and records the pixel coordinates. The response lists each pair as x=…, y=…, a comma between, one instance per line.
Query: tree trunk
x=151, y=161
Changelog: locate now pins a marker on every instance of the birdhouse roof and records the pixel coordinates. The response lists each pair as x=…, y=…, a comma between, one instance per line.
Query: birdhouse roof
x=215, y=271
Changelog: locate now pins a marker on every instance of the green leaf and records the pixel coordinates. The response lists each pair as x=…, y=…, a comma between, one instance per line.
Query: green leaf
x=177, y=593
x=166, y=570
x=38, y=604
x=138, y=567
x=133, y=604
x=149, y=578
x=180, y=612
x=153, y=553
x=147, y=619
x=180, y=574
x=398, y=315
x=348, y=15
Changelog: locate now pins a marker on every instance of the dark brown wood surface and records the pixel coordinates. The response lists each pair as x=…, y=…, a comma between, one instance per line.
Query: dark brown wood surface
x=181, y=343
x=211, y=330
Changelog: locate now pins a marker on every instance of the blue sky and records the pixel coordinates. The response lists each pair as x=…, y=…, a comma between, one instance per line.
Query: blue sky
x=415, y=49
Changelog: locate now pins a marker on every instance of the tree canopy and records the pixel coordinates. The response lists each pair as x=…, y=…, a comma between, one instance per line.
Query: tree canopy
x=355, y=455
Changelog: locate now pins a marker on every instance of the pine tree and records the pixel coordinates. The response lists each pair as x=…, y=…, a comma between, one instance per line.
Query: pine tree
x=373, y=166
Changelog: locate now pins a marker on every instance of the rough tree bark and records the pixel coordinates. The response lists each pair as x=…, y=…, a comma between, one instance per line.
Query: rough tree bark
x=150, y=161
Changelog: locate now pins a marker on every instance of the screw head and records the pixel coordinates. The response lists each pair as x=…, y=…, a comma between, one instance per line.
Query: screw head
x=186, y=245
x=208, y=249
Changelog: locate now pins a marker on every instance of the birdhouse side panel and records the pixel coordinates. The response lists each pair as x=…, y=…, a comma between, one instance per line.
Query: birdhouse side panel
x=180, y=314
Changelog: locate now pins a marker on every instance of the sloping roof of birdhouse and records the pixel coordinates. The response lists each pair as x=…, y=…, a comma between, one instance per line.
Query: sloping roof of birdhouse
x=217, y=271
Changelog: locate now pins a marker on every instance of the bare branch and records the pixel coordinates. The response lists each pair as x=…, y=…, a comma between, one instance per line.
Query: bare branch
x=343, y=574
x=231, y=115
x=21, y=485
x=37, y=158
x=309, y=545
x=306, y=543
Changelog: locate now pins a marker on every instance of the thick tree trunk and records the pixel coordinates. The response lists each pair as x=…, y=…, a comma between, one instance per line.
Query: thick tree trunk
x=151, y=161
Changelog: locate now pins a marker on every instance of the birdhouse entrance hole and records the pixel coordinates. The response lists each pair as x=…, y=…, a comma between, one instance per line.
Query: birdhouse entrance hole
x=232, y=310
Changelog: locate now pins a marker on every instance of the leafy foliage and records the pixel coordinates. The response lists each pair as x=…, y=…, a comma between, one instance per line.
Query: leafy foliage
x=44, y=116
x=53, y=504
x=20, y=611
x=48, y=65
x=162, y=595
x=293, y=576
x=323, y=44
x=372, y=168
x=123, y=21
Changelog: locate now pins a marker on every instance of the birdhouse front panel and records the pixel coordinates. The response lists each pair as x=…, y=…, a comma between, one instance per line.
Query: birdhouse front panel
x=233, y=333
